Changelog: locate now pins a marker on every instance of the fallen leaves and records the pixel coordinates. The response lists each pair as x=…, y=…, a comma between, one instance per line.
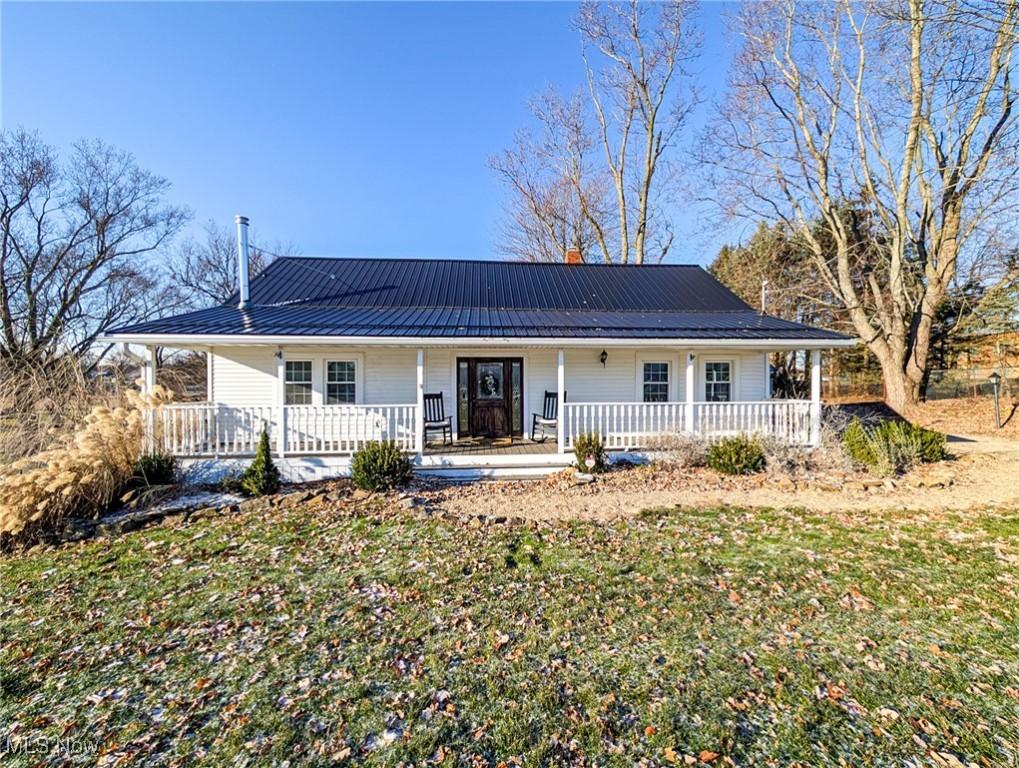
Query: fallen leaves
x=385, y=637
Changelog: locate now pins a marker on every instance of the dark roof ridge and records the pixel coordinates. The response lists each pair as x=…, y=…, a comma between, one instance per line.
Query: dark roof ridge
x=429, y=259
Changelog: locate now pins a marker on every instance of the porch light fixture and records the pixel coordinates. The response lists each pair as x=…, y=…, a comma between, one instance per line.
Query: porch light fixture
x=995, y=379
x=603, y=357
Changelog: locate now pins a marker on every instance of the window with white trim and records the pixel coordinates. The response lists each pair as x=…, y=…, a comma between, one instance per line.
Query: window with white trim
x=656, y=382
x=340, y=382
x=718, y=382
x=297, y=382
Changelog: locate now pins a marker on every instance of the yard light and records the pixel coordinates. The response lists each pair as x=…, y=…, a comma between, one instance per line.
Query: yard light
x=995, y=379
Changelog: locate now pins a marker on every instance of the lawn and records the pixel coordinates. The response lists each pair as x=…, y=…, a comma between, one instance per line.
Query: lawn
x=719, y=636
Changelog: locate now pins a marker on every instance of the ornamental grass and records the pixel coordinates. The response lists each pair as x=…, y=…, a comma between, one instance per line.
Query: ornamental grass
x=81, y=475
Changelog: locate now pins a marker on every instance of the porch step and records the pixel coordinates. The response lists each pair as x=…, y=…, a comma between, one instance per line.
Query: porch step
x=489, y=472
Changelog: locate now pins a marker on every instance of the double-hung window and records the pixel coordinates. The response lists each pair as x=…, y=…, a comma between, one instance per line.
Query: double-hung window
x=718, y=382
x=297, y=384
x=341, y=387
x=656, y=382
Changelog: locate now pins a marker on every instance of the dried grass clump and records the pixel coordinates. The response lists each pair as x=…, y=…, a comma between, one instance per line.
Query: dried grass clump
x=826, y=457
x=680, y=450
x=39, y=406
x=79, y=477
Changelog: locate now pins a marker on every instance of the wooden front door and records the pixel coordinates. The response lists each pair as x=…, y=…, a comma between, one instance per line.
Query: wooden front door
x=490, y=394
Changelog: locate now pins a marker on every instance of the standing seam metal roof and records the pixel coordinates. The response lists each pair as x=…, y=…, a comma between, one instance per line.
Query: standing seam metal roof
x=407, y=297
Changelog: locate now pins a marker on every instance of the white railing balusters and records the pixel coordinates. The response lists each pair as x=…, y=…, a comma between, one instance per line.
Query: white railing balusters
x=626, y=426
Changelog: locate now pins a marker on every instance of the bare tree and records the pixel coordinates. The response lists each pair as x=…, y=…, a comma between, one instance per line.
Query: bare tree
x=558, y=201
x=204, y=272
x=597, y=177
x=74, y=246
x=905, y=106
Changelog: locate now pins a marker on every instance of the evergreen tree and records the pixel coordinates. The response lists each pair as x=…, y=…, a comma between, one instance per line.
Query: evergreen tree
x=262, y=476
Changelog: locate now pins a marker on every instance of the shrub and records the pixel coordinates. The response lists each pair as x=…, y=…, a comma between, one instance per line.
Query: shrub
x=892, y=446
x=155, y=469
x=738, y=455
x=590, y=447
x=262, y=476
x=380, y=466
x=78, y=478
x=857, y=444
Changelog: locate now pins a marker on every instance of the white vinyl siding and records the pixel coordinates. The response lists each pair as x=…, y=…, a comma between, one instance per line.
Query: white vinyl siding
x=244, y=376
x=247, y=375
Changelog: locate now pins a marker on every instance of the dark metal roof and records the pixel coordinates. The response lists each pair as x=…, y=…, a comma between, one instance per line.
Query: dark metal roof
x=433, y=298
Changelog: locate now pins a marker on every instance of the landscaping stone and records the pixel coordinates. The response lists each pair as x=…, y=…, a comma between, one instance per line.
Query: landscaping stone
x=583, y=478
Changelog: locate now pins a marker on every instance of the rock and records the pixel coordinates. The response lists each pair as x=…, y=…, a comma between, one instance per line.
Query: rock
x=785, y=483
x=317, y=500
x=360, y=494
x=499, y=520
x=298, y=497
x=409, y=502
x=174, y=518
x=474, y=522
x=203, y=513
x=582, y=478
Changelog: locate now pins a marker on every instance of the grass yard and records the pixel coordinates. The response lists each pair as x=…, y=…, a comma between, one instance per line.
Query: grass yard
x=685, y=637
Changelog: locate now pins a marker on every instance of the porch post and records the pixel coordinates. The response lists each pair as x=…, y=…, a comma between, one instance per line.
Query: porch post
x=815, y=396
x=209, y=380
x=767, y=375
x=691, y=385
x=281, y=399
x=148, y=387
x=149, y=375
x=419, y=411
x=561, y=402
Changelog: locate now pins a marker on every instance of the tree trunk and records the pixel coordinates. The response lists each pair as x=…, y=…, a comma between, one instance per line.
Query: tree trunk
x=901, y=391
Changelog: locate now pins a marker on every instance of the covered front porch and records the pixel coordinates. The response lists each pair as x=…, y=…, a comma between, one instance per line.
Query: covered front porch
x=631, y=397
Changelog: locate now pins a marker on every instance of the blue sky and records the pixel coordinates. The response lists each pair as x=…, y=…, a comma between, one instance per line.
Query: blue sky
x=348, y=129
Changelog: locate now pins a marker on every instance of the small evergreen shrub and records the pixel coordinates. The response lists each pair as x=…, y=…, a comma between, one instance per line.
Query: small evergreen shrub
x=893, y=446
x=380, y=466
x=155, y=469
x=590, y=446
x=738, y=455
x=856, y=443
x=262, y=476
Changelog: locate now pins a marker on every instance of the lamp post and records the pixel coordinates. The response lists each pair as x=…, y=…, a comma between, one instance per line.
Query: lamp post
x=995, y=384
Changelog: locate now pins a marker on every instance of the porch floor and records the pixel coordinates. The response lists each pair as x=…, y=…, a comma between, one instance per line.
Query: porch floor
x=470, y=446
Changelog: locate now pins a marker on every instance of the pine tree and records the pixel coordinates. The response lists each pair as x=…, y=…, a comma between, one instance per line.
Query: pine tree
x=262, y=476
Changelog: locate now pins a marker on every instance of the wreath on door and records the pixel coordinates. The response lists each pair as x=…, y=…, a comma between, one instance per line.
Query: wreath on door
x=489, y=385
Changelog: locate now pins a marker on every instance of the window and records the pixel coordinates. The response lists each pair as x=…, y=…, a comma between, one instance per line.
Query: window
x=340, y=386
x=298, y=382
x=656, y=382
x=718, y=382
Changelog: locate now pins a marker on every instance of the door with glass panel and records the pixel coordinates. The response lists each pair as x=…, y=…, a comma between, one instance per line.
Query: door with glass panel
x=490, y=396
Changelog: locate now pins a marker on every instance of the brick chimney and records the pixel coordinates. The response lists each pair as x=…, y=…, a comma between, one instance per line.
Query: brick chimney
x=573, y=256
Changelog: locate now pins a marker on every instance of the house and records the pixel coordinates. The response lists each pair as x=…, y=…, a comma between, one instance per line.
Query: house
x=504, y=363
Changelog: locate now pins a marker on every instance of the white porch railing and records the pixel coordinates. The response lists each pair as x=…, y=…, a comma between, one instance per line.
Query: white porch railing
x=627, y=426
x=622, y=426
x=786, y=420
x=343, y=429
x=203, y=429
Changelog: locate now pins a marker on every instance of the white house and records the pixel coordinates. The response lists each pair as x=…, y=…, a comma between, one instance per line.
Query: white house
x=474, y=367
